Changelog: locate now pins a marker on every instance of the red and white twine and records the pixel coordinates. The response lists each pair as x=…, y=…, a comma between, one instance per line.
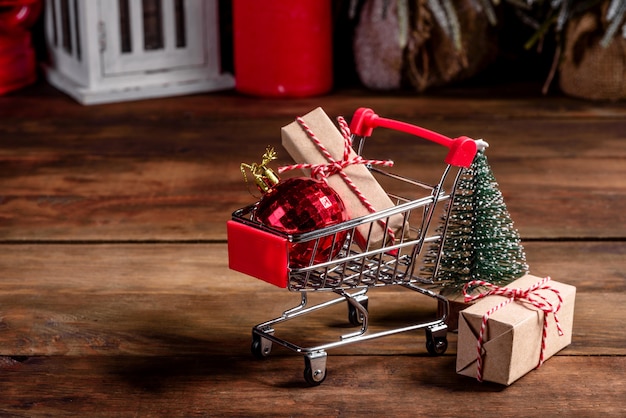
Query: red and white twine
x=530, y=296
x=323, y=171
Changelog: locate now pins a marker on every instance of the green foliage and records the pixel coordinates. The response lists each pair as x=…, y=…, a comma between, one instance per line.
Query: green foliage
x=543, y=15
x=552, y=15
x=480, y=242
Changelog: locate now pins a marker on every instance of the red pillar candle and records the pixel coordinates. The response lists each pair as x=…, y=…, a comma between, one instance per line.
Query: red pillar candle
x=283, y=48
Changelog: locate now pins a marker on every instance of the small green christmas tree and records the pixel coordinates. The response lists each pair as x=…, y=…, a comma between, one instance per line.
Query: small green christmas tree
x=480, y=242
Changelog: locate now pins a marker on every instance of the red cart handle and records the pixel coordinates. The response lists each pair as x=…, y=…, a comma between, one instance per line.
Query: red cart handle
x=462, y=149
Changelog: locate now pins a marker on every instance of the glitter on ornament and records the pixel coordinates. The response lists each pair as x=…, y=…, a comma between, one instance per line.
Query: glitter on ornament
x=296, y=206
x=299, y=205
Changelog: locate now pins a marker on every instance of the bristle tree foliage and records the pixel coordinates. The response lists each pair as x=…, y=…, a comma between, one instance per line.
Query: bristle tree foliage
x=480, y=242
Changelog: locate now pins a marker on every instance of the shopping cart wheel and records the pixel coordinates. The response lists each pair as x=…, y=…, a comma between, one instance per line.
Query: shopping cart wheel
x=354, y=316
x=315, y=368
x=437, y=345
x=261, y=347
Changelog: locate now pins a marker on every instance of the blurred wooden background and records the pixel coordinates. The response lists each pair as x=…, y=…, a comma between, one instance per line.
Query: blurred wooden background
x=116, y=298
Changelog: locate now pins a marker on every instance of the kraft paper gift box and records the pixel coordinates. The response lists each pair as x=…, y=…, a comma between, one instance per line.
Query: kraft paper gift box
x=304, y=151
x=512, y=342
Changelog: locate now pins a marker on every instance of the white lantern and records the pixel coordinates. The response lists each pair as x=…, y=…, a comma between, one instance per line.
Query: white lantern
x=115, y=50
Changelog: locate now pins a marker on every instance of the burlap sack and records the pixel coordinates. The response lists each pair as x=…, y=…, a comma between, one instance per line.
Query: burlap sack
x=588, y=70
x=396, y=47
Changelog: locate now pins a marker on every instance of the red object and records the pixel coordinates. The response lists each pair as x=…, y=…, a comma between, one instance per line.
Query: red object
x=18, y=64
x=462, y=149
x=299, y=205
x=283, y=48
x=257, y=253
x=293, y=206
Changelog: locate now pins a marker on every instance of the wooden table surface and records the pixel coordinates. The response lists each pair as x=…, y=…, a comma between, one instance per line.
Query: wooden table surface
x=115, y=293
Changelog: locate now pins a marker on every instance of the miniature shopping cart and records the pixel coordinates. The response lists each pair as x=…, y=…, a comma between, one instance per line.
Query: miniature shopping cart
x=263, y=252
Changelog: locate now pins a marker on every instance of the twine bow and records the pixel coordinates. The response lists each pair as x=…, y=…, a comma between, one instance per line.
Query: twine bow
x=323, y=171
x=530, y=296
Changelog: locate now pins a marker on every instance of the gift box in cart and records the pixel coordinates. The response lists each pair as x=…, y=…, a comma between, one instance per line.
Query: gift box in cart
x=357, y=264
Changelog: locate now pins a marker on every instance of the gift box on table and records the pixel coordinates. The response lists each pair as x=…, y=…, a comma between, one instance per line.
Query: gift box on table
x=513, y=330
x=304, y=150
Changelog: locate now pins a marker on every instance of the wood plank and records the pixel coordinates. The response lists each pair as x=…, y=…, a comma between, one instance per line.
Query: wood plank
x=516, y=101
x=590, y=266
x=230, y=385
x=182, y=299
x=193, y=268
x=123, y=179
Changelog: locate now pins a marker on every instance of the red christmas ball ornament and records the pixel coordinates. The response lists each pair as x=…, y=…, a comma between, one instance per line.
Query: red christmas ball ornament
x=296, y=206
x=299, y=205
